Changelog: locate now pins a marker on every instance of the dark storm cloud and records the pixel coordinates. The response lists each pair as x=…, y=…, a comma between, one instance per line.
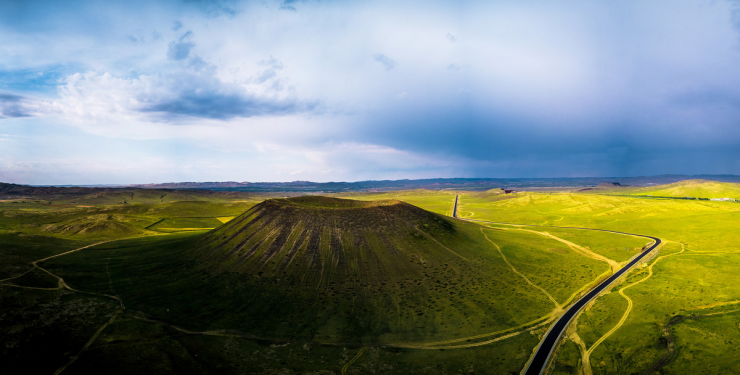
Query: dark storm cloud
x=222, y=106
x=198, y=92
x=12, y=106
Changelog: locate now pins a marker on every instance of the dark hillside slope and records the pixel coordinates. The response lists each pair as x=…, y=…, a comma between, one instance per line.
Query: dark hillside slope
x=338, y=270
x=316, y=269
x=327, y=235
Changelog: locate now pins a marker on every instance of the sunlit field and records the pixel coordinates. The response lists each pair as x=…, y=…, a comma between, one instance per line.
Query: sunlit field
x=313, y=292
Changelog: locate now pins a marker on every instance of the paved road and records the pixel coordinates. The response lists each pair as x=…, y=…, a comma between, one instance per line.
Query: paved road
x=542, y=357
x=454, y=209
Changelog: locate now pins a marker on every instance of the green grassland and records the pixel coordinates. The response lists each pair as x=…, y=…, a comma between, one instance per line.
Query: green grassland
x=324, y=280
x=440, y=202
x=297, y=284
x=151, y=196
x=316, y=285
x=613, y=246
x=185, y=223
x=19, y=249
x=117, y=220
x=703, y=274
x=534, y=255
x=689, y=188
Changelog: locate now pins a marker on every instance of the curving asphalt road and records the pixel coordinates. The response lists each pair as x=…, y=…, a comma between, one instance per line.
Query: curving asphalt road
x=543, y=355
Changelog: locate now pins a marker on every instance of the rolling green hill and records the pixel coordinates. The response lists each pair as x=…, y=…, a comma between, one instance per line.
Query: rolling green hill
x=342, y=271
x=338, y=270
x=298, y=285
x=694, y=189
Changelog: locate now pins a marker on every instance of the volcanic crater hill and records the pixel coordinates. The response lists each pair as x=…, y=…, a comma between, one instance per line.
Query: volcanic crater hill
x=325, y=235
x=337, y=270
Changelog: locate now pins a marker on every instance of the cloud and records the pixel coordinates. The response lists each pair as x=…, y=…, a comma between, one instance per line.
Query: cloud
x=290, y=4
x=12, y=106
x=171, y=98
x=527, y=88
x=387, y=62
x=224, y=105
x=215, y=8
x=180, y=49
x=272, y=67
x=735, y=14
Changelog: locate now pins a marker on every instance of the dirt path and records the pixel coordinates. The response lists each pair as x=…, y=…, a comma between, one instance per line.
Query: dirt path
x=89, y=342
x=585, y=359
x=344, y=369
x=519, y=273
x=510, y=332
x=615, y=266
x=63, y=285
x=629, y=301
x=445, y=344
x=670, y=352
x=15, y=277
x=716, y=304
x=34, y=263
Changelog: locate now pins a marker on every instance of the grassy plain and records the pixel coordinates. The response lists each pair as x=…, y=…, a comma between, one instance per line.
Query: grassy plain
x=439, y=201
x=421, y=293
x=352, y=302
x=687, y=188
x=702, y=273
x=328, y=285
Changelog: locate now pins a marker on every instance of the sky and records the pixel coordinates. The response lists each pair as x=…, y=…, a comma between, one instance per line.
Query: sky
x=120, y=92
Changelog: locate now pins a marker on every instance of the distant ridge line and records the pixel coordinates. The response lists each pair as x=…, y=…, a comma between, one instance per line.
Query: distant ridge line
x=466, y=184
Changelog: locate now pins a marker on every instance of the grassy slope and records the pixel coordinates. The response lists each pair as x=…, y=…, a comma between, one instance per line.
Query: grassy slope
x=679, y=284
x=114, y=221
x=681, y=189
x=381, y=300
x=695, y=189
x=535, y=256
x=336, y=278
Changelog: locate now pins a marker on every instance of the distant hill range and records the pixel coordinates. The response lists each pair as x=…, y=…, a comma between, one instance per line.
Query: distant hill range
x=112, y=195
x=472, y=184
x=435, y=184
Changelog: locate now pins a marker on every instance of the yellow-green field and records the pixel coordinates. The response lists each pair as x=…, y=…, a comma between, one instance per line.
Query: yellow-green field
x=694, y=276
x=475, y=297
x=688, y=188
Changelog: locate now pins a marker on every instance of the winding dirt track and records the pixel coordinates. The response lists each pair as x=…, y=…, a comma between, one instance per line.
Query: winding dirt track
x=543, y=354
x=629, y=301
x=519, y=273
x=344, y=369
